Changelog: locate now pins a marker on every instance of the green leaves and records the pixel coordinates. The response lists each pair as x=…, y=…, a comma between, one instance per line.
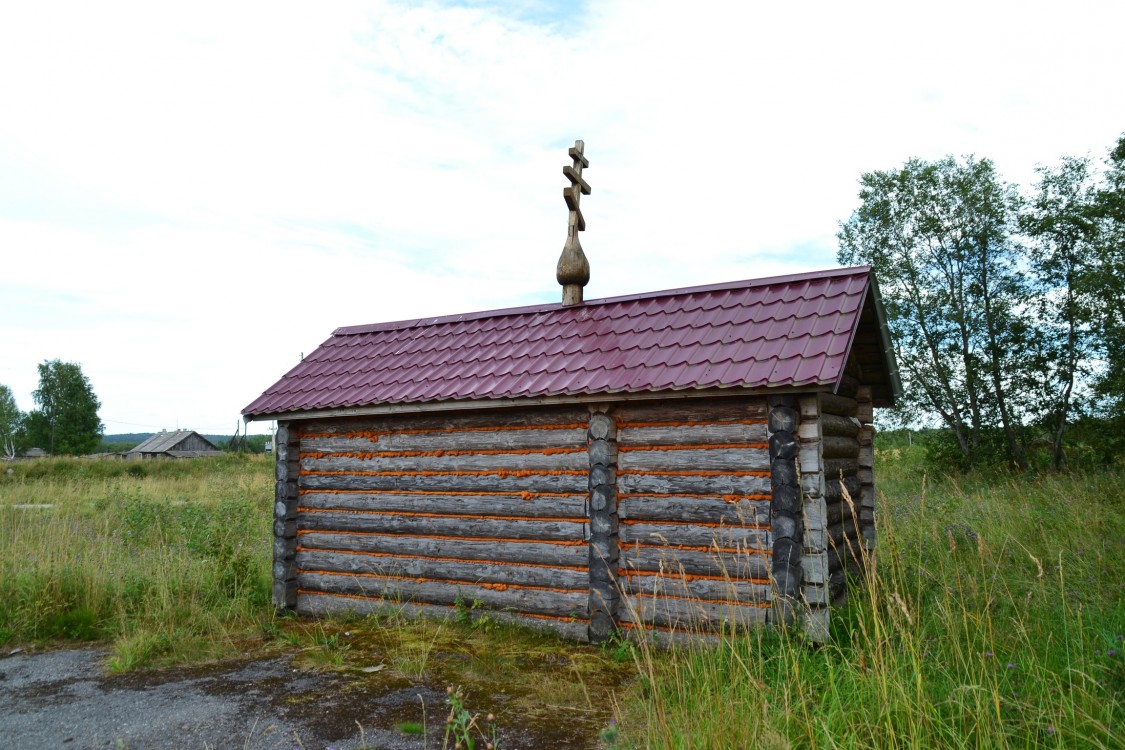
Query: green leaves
x=1004, y=309
x=66, y=421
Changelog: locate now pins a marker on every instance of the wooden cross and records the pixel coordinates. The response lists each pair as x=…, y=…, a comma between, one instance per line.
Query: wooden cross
x=578, y=186
x=573, y=271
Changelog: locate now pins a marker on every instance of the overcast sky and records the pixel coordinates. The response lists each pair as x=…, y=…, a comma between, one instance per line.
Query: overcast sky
x=194, y=194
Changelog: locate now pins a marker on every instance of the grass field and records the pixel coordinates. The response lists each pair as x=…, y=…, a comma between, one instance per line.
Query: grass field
x=994, y=616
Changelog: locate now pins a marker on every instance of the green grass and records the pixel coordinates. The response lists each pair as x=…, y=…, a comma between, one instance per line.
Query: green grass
x=993, y=618
x=166, y=560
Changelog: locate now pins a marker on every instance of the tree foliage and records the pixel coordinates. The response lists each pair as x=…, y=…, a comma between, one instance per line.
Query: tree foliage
x=938, y=237
x=1005, y=309
x=66, y=421
x=11, y=421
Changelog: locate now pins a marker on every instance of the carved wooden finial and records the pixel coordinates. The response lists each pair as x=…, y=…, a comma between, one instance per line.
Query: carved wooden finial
x=573, y=271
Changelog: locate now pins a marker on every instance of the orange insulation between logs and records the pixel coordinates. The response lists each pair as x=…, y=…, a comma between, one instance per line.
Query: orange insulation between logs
x=479, y=473
x=360, y=597
x=417, y=514
x=431, y=558
x=559, y=542
x=704, y=524
x=442, y=453
x=673, y=576
x=376, y=434
x=692, y=423
x=467, y=493
x=701, y=447
x=699, y=599
x=420, y=579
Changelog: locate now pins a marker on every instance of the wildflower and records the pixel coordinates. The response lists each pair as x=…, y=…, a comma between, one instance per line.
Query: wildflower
x=1011, y=666
x=491, y=717
x=988, y=654
x=1111, y=652
x=1050, y=730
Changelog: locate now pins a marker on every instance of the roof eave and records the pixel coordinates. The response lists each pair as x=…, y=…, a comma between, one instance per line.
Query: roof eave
x=423, y=407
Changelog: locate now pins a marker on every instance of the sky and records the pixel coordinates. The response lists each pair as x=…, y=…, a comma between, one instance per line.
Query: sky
x=194, y=195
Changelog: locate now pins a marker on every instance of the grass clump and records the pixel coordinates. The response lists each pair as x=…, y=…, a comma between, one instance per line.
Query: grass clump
x=166, y=562
x=992, y=616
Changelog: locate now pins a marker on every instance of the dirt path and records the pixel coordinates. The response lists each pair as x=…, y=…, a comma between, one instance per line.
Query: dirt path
x=64, y=700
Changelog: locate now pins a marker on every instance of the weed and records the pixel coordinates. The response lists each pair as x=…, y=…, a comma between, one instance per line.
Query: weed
x=465, y=728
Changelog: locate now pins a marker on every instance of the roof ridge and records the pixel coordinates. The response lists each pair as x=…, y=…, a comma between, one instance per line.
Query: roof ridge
x=577, y=309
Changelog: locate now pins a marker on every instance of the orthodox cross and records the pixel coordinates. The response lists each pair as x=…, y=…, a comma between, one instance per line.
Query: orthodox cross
x=573, y=271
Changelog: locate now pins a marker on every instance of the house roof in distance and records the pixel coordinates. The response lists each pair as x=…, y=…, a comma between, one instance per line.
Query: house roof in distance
x=787, y=332
x=167, y=442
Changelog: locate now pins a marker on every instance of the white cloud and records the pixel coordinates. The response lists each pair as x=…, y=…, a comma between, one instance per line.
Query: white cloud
x=191, y=196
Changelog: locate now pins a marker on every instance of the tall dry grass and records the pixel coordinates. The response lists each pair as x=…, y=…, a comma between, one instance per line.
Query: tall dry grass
x=992, y=617
x=162, y=558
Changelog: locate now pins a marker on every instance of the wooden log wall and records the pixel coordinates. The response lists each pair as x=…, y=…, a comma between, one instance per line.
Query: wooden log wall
x=866, y=415
x=431, y=513
x=605, y=597
x=787, y=518
x=693, y=492
x=287, y=468
x=830, y=434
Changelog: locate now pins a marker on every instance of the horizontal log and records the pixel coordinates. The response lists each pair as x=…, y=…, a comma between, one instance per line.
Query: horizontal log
x=725, y=537
x=574, y=554
x=841, y=406
x=687, y=508
x=809, y=406
x=484, y=483
x=839, y=557
x=557, y=603
x=452, y=420
x=678, y=433
x=835, y=467
x=710, y=459
x=732, y=590
x=809, y=430
x=814, y=624
x=848, y=386
x=815, y=566
x=833, y=492
x=687, y=484
x=541, y=462
x=840, y=512
x=566, y=506
x=690, y=615
x=710, y=410
x=313, y=604
x=812, y=484
x=444, y=526
x=815, y=594
x=809, y=459
x=843, y=536
x=839, y=447
x=455, y=571
x=866, y=475
x=741, y=565
x=467, y=439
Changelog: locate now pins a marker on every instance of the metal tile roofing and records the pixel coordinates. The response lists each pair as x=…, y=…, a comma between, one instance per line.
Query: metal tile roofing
x=782, y=332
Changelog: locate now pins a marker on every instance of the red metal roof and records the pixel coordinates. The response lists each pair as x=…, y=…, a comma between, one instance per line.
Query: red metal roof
x=781, y=332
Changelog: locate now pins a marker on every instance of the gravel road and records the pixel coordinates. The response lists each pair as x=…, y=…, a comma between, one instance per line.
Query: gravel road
x=64, y=700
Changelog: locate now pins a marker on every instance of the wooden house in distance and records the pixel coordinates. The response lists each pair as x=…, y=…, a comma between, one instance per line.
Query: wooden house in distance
x=177, y=444
x=676, y=461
